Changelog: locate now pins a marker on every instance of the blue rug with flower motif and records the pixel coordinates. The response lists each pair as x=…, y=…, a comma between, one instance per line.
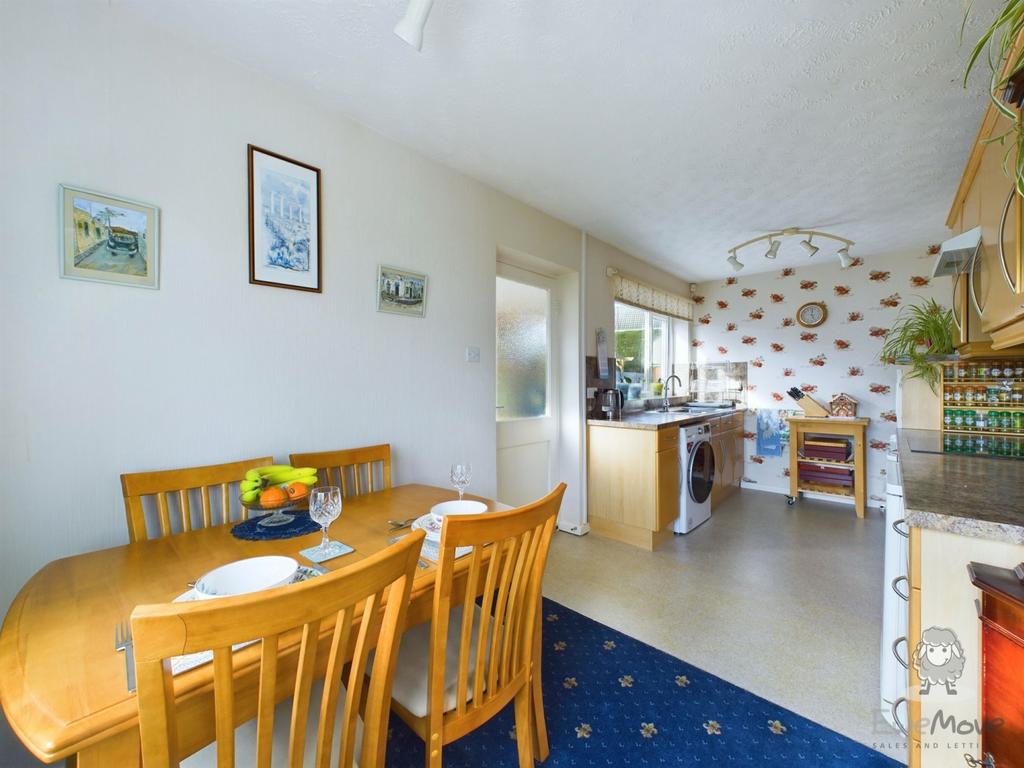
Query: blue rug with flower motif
x=611, y=700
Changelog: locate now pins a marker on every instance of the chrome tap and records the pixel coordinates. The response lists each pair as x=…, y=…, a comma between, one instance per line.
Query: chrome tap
x=664, y=402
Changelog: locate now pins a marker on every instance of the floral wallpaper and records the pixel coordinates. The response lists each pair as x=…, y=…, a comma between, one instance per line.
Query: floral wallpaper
x=752, y=318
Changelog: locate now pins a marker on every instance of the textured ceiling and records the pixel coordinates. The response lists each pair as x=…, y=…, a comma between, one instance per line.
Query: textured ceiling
x=673, y=129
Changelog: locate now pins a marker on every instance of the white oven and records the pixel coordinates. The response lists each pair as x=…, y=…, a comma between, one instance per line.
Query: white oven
x=895, y=601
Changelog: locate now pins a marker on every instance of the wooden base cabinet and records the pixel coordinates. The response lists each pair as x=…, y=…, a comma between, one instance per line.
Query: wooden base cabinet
x=727, y=444
x=1002, y=676
x=633, y=483
x=942, y=720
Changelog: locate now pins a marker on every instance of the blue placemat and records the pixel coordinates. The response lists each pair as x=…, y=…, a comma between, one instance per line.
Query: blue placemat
x=251, y=530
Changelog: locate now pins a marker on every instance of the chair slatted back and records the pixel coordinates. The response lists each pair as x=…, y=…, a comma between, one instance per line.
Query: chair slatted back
x=170, y=488
x=327, y=603
x=354, y=470
x=496, y=638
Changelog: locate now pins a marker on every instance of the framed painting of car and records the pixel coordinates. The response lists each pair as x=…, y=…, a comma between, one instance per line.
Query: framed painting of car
x=108, y=239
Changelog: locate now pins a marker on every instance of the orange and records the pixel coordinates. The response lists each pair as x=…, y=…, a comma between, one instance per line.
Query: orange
x=273, y=497
x=297, y=490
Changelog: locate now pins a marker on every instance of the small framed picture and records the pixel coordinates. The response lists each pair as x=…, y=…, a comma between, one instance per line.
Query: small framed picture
x=108, y=239
x=284, y=222
x=401, y=292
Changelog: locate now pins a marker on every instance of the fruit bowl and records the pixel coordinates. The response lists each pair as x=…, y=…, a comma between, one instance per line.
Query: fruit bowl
x=276, y=488
x=278, y=509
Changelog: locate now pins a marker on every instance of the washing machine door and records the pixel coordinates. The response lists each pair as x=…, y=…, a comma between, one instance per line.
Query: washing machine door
x=700, y=475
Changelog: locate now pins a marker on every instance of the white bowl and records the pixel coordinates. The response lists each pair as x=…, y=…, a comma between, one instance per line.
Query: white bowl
x=465, y=507
x=244, y=576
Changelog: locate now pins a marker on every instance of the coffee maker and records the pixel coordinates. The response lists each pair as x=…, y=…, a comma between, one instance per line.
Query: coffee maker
x=610, y=402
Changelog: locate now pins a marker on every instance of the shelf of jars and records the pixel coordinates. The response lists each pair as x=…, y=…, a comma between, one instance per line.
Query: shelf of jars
x=994, y=371
x=981, y=444
x=983, y=399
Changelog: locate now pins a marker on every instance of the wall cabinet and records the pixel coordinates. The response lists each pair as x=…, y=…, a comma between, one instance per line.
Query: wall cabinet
x=633, y=483
x=988, y=295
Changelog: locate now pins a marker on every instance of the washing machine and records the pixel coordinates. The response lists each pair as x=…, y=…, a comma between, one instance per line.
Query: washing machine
x=696, y=477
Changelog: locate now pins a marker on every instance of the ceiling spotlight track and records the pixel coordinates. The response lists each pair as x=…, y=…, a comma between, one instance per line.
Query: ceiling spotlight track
x=808, y=246
x=774, y=242
x=410, y=28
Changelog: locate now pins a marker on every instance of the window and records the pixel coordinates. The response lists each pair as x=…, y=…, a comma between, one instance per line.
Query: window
x=648, y=349
x=522, y=350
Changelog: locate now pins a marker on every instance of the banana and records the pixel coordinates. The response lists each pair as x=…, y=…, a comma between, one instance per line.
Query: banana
x=253, y=475
x=310, y=480
x=250, y=497
x=271, y=469
x=285, y=476
x=251, y=485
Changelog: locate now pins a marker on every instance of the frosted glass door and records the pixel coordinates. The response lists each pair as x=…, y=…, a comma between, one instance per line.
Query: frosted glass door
x=522, y=334
x=526, y=406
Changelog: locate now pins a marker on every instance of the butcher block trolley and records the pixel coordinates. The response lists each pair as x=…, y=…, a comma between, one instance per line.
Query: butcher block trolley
x=835, y=470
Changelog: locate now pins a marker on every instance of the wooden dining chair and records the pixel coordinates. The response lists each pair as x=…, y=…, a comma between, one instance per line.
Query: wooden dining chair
x=462, y=668
x=354, y=470
x=170, y=488
x=294, y=614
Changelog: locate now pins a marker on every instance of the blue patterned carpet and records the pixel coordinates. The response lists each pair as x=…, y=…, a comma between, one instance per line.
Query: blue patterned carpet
x=614, y=701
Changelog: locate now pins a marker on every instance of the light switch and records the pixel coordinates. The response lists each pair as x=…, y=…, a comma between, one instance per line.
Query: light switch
x=472, y=354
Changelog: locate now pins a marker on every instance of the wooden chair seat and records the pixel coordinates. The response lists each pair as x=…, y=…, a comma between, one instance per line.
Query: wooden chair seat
x=410, y=686
x=479, y=657
x=246, y=736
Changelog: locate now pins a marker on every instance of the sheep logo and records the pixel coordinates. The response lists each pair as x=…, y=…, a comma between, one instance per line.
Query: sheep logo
x=939, y=659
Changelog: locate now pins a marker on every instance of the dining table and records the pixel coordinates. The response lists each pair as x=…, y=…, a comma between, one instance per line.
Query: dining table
x=62, y=683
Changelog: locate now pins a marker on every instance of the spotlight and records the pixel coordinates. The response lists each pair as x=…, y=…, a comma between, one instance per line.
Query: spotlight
x=736, y=264
x=410, y=28
x=845, y=259
x=773, y=249
x=808, y=246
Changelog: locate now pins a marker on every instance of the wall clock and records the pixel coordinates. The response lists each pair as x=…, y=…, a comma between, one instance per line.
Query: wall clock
x=812, y=314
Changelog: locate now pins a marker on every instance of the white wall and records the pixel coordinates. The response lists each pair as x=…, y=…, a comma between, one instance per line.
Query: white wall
x=102, y=379
x=842, y=355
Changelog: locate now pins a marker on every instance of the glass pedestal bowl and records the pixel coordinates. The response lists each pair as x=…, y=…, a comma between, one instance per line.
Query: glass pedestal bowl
x=278, y=511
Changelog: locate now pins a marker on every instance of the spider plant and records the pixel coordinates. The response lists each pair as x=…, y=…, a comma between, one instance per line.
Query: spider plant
x=920, y=334
x=1006, y=87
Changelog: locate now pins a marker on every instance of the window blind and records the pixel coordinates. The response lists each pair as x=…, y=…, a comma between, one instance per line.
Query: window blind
x=630, y=291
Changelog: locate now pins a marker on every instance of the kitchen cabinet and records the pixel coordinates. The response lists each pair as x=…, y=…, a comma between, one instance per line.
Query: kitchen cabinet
x=633, y=483
x=941, y=721
x=727, y=444
x=1002, y=662
x=988, y=294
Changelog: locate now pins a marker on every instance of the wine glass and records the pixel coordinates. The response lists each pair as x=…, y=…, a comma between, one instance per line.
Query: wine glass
x=325, y=508
x=460, y=476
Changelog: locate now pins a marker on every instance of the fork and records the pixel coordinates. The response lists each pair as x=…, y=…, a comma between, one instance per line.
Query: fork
x=123, y=642
x=397, y=524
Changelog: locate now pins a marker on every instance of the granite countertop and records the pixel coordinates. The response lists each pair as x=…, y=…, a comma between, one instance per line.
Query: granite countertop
x=657, y=420
x=969, y=495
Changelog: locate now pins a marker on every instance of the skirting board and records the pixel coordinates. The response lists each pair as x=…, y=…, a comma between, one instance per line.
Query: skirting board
x=871, y=503
x=578, y=529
